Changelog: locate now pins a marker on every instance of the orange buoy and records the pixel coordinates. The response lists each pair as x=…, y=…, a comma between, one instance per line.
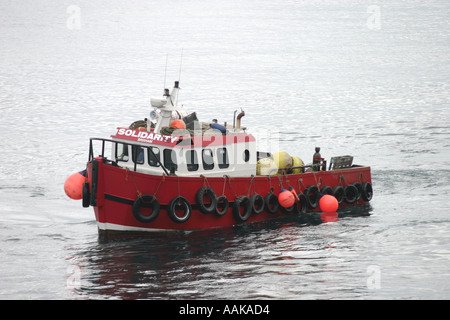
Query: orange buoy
x=73, y=186
x=178, y=124
x=286, y=198
x=328, y=203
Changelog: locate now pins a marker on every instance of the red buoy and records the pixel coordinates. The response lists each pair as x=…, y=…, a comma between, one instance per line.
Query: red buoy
x=73, y=186
x=178, y=124
x=328, y=203
x=286, y=198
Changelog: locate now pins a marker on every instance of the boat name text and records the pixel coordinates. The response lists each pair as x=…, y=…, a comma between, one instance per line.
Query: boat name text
x=144, y=136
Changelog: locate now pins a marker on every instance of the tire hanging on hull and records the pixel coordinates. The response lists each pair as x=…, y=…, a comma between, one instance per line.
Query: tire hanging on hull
x=302, y=204
x=257, y=203
x=222, y=205
x=149, y=202
x=271, y=203
x=338, y=193
x=367, y=191
x=175, y=204
x=202, y=193
x=351, y=194
x=244, y=202
x=313, y=196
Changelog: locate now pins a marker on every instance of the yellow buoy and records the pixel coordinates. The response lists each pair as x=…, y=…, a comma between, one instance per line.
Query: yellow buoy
x=297, y=162
x=266, y=167
x=282, y=159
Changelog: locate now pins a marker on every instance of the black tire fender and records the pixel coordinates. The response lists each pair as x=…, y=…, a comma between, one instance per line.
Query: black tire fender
x=338, y=193
x=86, y=195
x=257, y=203
x=271, y=203
x=222, y=205
x=351, y=193
x=177, y=203
x=302, y=204
x=313, y=196
x=367, y=191
x=146, y=201
x=201, y=193
x=244, y=202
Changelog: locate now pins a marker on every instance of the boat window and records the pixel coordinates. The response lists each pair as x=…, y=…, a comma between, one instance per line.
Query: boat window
x=155, y=157
x=246, y=155
x=121, y=152
x=208, y=161
x=137, y=154
x=191, y=160
x=222, y=157
x=170, y=159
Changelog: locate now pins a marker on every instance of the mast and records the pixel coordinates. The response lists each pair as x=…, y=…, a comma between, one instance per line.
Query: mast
x=166, y=105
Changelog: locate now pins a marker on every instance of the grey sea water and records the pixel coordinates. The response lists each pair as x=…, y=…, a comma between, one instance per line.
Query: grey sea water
x=366, y=78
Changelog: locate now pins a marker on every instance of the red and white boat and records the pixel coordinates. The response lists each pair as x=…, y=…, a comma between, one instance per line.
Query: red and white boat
x=172, y=172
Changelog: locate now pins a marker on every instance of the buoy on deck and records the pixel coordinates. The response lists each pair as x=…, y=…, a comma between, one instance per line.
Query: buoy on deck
x=297, y=162
x=286, y=198
x=178, y=124
x=328, y=203
x=266, y=167
x=73, y=186
x=283, y=160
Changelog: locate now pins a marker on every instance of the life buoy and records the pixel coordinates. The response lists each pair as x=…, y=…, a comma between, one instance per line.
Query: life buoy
x=176, y=204
x=359, y=188
x=86, y=195
x=326, y=190
x=257, y=203
x=149, y=202
x=313, y=196
x=351, y=193
x=271, y=203
x=206, y=192
x=367, y=191
x=301, y=205
x=244, y=203
x=222, y=205
x=338, y=193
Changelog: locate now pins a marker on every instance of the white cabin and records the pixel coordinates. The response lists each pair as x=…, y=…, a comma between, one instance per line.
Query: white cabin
x=216, y=153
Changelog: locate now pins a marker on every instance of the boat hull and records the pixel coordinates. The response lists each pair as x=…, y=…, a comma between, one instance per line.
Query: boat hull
x=113, y=193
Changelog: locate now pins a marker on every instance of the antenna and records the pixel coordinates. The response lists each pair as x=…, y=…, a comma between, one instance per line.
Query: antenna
x=179, y=74
x=181, y=62
x=165, y=71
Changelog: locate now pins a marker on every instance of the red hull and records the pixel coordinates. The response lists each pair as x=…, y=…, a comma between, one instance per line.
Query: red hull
x=115, y=190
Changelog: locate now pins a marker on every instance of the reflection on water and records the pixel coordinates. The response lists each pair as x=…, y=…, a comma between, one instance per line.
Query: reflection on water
x=199, y=264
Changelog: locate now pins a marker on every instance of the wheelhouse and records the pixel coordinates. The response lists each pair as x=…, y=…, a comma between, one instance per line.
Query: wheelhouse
x=215, y=155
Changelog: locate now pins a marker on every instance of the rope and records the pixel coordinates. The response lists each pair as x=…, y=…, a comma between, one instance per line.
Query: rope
x=160, y=181
x=250, y=185
x=224, y=183
x=270, y=183
x=341, y=178
x=361, y=177
x=128, y=172
x=231, y=186
x=300, y=181
x=205, y=182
